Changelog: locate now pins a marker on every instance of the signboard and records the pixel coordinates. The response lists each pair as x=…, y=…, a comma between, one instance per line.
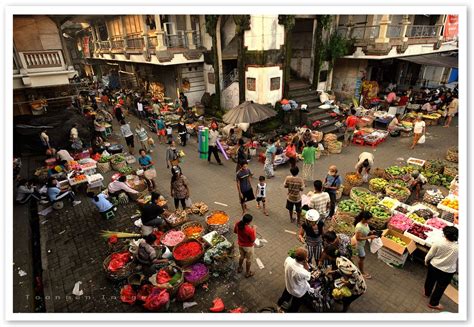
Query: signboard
x=451, y=27
x=85, y=47
x=370, y=89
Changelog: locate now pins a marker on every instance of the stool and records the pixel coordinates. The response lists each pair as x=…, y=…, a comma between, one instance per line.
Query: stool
x=109, y=215
x=58, y=205
x=146, y=230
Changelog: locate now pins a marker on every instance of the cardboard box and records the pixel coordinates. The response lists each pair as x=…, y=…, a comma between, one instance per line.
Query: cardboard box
x=391, y=258
x=395, y=247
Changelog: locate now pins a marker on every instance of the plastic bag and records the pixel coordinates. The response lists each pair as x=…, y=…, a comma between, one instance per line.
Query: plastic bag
x=158, y=299
x=128, y=295
x=163, y=277
x=376, y=245
x=186, y=292
x=365, y=176
x=188, y=203
x=118, y=260
x=422, y=139
x=144, y=292
x=218, y=305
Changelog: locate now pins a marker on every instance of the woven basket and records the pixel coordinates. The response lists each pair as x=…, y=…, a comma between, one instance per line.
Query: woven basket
x=172, y=289
x=118, y=166
x=200, y=280
x=356, y=179
x=353, y=196
x=174, y=222
x=334, y=147
x=432, y=199
x=120, y=274
x=103, y=167
x=389, y=190
x=191, y=224
x=379, y=172
x=450, y=171
x=377, y=222
x=189, y=261
x=142, y=192
x=169, y=246
x=452, y=154
x=374, y=188
x=220, y=229
x=434, y=166
x=347, y=189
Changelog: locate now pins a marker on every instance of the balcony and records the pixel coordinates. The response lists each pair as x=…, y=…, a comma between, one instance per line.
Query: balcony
x=135, y=42
x=43, y=60
x=359, y=32
x=117, y=43
x=176, y=40
x=104, y=46
x=423, y=31
x=152, y=42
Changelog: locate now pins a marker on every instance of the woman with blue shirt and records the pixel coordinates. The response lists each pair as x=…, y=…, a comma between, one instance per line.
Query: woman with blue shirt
x=149, y=171
x=55, y=194
x=332, y=182
x=101, y=203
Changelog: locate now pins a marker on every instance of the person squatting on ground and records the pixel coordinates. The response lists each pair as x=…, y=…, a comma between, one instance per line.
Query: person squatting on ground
x=103, y=205
x=246, y=236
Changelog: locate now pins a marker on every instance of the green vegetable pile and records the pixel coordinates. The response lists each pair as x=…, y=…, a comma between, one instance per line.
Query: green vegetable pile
x=398, y=182
x=395, y=171
x=368, y=200
x=349, y=206
x=104, y=159
x=117, y=158
x=380, y=216
x=126, y=170
x=438, y=179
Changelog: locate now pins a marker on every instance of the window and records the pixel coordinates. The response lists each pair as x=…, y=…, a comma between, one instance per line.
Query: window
x=251, y=84
x=210, y=78
x=274, y=83
x=323, y=76
x=132, y=24
x=114, y=27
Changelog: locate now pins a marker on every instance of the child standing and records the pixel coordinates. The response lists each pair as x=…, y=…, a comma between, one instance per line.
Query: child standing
x=169, y=134
x=261, y=194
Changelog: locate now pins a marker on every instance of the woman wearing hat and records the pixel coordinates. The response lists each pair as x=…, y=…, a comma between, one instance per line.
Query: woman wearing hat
x=353, y=279
x=419, y=129
x=311, y=232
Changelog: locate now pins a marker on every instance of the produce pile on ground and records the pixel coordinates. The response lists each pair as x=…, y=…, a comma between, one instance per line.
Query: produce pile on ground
x=377, y=184
x=349, y=206
x=199, y=208
x=395, y=171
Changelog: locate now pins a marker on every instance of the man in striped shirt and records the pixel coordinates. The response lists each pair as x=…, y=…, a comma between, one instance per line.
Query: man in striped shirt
x=295, y=186
x=320, y=200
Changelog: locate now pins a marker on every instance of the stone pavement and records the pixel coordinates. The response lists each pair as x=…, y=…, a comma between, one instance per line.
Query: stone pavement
x=73, y=251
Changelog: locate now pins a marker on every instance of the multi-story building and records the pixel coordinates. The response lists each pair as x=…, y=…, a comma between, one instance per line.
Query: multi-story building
x=41, y=66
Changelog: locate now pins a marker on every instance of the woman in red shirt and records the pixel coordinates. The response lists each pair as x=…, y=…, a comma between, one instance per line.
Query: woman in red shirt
x=246, y=236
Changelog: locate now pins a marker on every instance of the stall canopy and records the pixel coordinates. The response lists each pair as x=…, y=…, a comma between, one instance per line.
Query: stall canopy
x=449, y=60
x=248, y=112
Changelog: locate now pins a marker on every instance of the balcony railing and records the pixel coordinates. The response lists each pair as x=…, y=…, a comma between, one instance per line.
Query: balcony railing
x=422, y=31
x=117, y=43
x=176, y=40
x=394, y=31
x=42, y=59
x=135, y=42
x=104, y=45
x=364, y=32
x=197, y=39
x=152, y=42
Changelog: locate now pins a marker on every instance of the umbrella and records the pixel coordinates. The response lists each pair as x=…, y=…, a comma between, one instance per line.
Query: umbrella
x=248, y=112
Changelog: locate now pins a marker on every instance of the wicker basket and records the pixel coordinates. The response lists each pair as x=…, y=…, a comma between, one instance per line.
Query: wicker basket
x=172, y=289
x=200, y=280
x=142, y=192
x=173, y=219
x=334, y=147
x=221, y=229
x=120, y=274
x=118, y=166
x=103, y=167
x=379, y=172
x=347, y=189
x=390, y=191
x=189, y=261
x=452, y=154
x=379, y=223
x=451, y=171
x=434, y=166
x=357, y=179
x=353, y=196
x=374, y=188
x=192, y=224
x=170, y=246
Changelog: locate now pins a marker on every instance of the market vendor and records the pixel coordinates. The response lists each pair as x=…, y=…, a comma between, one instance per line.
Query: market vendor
x=55, y=194
x=64, y=155
x=118, y=186
x=351, y=123
x=341, y=241
x=395, y=125
x=62, y=167
x=147, y=254
x=101, y=202
x=151, y=212
x=366, y=161
x=232, y=139
x=416, y=183
x=353, y=279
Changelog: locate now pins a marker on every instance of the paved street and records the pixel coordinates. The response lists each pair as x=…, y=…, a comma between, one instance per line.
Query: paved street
x=72, y=249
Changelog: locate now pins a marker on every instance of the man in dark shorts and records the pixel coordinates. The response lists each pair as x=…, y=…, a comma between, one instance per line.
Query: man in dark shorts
x=243, y=185
x=295, y=186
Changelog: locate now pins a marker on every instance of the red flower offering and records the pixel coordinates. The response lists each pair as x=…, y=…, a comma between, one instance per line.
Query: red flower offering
x=187, y=250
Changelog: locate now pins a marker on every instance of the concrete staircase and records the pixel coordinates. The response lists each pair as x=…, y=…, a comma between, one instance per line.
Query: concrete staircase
x=300, y=91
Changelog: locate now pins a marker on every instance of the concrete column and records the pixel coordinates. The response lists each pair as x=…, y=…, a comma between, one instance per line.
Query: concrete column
x=205, y=37
x=144, y=33
x=219, y=56
x=189, y=33
x=311, y=78
x=405, y=23
x=384, y=22
x=160, y=45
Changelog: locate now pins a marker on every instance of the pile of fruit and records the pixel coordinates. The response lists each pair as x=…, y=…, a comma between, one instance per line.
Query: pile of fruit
x=419, y=231
x=400, y=222
x=218, y=218
x=379, y=211
x=424, y=213
x=397, y=182
x=349, y=206
x=395, y=171
x=397, y=240
x=377, y=184
x=339, y=293
x=389, y=203
x=398, y=192
x=415, y=217
x=451, y=203
x=436, y=223
x=79, y=178
x=359, y=192
x=402, y=209
x=368, y=201
x=438, y=179
x=353, y=179
x=199, y=208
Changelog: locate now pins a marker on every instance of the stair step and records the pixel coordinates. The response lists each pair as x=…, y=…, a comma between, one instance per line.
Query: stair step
x=305, y=98
x=302, y=91
x=328, y=123
x=313, y=116
x=328, y=129
x=297, y=85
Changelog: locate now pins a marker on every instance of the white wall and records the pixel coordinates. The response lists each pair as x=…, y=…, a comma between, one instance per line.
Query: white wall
x=210, y=88
x=230, y=96
x=262, y=94
x=265, y=33
x=433, y=75
x=228, y=31
x=205, y=37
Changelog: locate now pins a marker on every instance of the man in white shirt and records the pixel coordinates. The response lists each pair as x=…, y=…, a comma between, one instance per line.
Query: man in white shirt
x=141, y=113
x=213, y=139
x=63, y=155
x=320, y=201
x=297, y=276
x=442, y=261
x=366, y=161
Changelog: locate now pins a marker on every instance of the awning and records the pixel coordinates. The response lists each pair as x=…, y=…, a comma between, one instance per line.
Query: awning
x=449, y=59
